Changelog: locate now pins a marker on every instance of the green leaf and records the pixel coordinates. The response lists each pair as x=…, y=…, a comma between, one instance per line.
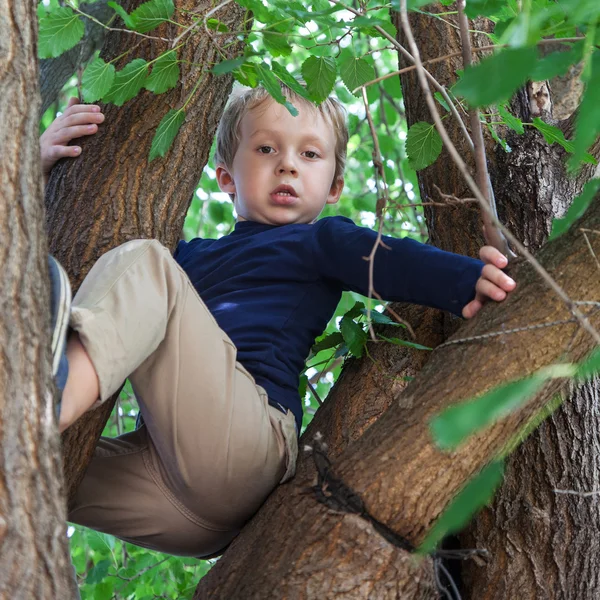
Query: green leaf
x=150, y=15
x=329, y=341
x=59, y=31
x=217, y=25
x=355, y=311
x=354, y=71
x=226, y=66
x=166, y=133
x=487, y=8
x=165, y=73
x=354, y=336
x=476, y=494
x=128, y=82
x=399, y=342
x=129, y=22
x=272, y=85
x=495, y=79
x=423, y=145
x=590, y=366
x=276, y=43
x=553, y=134
x=288, y=79
x=577, y=208
x=98, y=572
x=510, y=120
x=587, y=126
x=381, y=319
x=97, y=80
x=452, y=426
x=247, y=75
x=557, y=63
x=319, y=74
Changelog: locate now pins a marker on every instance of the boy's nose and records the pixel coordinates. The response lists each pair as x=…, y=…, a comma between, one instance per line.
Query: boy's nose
x=286, y=165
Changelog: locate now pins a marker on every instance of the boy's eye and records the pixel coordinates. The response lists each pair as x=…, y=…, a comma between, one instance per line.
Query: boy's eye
x=311, y=154
x=265, y=149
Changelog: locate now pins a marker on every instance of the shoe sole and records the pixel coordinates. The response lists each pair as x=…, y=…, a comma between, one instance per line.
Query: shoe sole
x=59, y=334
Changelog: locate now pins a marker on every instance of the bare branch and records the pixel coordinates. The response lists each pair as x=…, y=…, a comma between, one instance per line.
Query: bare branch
x=492, y=233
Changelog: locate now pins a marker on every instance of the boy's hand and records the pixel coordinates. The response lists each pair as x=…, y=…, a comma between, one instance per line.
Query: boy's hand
x=77, y=120
x=492, y=284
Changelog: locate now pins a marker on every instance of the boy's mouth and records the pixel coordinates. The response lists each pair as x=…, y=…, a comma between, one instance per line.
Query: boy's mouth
x=284, y=194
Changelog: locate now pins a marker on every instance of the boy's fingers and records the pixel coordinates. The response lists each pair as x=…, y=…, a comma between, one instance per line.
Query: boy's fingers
x=79, y=108
x=83, y=118
x=58, y=152
x=71, y=133
x=72, y=101
x=471, y=309
x=496, y=276
x=489, y=254
x=487, y=289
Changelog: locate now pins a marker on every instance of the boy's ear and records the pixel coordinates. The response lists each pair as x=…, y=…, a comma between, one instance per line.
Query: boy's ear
x=225, y=180
x=336, y=190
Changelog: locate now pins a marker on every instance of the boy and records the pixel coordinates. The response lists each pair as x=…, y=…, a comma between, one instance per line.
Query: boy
x=213, y=339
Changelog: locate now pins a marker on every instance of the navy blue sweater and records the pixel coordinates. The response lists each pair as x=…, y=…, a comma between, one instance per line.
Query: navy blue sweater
x=273, y=289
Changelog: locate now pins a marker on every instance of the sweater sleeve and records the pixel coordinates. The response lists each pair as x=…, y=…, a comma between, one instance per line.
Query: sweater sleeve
x=404, y=271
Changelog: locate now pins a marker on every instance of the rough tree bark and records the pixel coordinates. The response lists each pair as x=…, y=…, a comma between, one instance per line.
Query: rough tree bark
x=112, y=195
x=55, y=72
x=540, y=543
x=34, y=551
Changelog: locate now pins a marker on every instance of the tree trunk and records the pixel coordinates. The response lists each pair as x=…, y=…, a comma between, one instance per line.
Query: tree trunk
x=55, y=72
x=528, y=556
x=112, y=195
x=33, y=546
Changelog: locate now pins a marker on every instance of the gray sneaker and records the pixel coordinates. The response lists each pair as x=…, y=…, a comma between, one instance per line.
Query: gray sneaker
x=60, y=307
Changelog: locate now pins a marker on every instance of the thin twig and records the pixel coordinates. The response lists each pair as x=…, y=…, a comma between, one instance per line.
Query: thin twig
x=438, y=86
x=382, y=199
x=587, y=241
x=313, y=391
x=474, y=188
x=576, y=493
x=195, y=24
x=492, y=233
x=91, y=18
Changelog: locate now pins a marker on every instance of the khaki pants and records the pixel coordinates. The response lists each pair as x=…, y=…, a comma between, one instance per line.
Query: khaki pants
x=212, y=448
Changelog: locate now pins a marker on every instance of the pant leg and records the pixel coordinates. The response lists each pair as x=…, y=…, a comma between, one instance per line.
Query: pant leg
x=216, y=448
x=119, y=496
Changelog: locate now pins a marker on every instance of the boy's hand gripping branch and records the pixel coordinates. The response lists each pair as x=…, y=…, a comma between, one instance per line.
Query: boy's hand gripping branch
x=493, y=284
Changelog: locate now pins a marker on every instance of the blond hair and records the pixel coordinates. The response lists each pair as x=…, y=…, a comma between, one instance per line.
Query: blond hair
x=240, y=102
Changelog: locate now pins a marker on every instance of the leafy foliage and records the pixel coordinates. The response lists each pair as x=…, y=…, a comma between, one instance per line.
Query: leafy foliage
x=60, y=30
x=128, y=82
x=97, y=80
x=423, y=145
x=165, y=73
x=166, y=132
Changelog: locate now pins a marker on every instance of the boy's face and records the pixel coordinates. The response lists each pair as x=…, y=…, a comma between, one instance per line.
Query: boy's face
x=282, y=172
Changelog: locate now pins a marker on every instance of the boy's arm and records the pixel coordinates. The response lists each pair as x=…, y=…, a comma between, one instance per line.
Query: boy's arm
x=404, y=270
x=77, y=121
